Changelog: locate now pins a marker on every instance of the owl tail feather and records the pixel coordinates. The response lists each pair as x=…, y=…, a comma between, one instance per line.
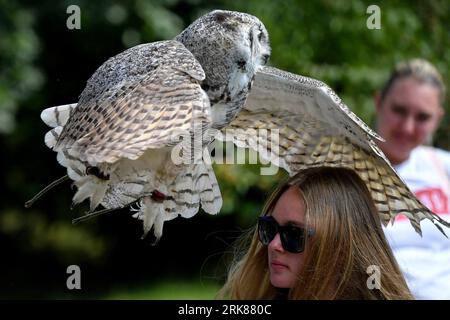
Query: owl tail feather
x=194, y=187
x=92, y=188
x=208, y=188
x=151, y=213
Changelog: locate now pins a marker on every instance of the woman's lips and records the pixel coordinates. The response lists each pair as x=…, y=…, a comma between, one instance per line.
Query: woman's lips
x=277, y=265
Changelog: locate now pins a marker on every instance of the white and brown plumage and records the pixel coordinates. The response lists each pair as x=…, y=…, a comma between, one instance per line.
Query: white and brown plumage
x=317, y=129
x=117, y=140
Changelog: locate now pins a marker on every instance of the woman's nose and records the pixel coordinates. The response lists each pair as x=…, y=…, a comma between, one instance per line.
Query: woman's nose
x=408, y=125
x=275, y=244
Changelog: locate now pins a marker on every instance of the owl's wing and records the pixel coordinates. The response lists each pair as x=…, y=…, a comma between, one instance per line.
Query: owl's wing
x=123, y=118
x=298, y=122
x=148, y=97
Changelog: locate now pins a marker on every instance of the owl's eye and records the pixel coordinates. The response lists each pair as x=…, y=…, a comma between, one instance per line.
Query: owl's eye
x=241, y=64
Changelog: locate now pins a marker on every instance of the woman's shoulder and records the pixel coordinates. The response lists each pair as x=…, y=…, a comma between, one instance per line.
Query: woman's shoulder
x=444, y=157
x=444, y=154
x=441, y=154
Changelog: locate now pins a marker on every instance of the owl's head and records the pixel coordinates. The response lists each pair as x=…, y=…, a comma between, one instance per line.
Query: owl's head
x=224, y=41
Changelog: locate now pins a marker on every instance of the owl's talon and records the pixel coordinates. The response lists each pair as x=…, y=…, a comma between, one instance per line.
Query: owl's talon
x=158, y=196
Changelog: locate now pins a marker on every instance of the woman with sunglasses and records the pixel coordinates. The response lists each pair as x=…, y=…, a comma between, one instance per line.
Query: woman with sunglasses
x=320, y=237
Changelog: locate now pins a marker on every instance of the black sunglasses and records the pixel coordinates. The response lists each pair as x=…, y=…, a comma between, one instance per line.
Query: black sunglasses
x=292, y=237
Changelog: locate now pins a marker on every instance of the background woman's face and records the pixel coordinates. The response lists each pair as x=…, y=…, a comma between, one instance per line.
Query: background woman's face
x=407, y=117
x=284, y=266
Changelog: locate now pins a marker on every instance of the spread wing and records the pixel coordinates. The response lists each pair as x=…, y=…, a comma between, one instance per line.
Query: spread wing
x=136, y=101
x=298, y=122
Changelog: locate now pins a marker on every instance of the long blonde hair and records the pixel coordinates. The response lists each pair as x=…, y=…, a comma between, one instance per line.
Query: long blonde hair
x=348, y=239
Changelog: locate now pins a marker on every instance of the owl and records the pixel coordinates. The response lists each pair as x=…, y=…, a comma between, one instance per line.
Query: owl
x=142, y=124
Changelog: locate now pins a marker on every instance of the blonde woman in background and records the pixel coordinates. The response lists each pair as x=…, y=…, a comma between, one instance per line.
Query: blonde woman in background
x=317, y=238
x=409, y=109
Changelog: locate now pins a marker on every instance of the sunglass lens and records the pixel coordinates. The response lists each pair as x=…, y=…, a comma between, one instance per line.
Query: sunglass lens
x=293, y=239
x=267, y=230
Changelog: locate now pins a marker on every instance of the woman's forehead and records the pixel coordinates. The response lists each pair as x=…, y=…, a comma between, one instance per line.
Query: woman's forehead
x=290, y=207
x=411, y=92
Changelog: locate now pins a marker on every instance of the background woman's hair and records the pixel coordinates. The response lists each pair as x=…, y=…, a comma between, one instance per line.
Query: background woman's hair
x=348, y=239
x=419, y=69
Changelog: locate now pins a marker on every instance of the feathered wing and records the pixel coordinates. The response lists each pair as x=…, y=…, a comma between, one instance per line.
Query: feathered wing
x=127, y=127
x=316, y=129
x=141, y=110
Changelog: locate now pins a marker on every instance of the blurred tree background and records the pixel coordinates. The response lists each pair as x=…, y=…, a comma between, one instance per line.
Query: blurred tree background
x=43, y=63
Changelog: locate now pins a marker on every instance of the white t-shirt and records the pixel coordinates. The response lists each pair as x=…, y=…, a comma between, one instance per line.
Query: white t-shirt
x=425, y=261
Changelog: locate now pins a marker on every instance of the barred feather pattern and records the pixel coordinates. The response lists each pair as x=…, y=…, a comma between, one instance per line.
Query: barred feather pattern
x=110, y=194
x=140, y=112
x=131, y=180
x=317, y=129
x=305, y=141
x=192, y=188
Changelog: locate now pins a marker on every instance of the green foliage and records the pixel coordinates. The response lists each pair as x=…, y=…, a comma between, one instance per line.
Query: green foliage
x=57, y=238
x=170, y=289
x=19, y=76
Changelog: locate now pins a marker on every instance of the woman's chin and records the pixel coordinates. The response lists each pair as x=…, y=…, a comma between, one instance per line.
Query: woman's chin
x=279, y=281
